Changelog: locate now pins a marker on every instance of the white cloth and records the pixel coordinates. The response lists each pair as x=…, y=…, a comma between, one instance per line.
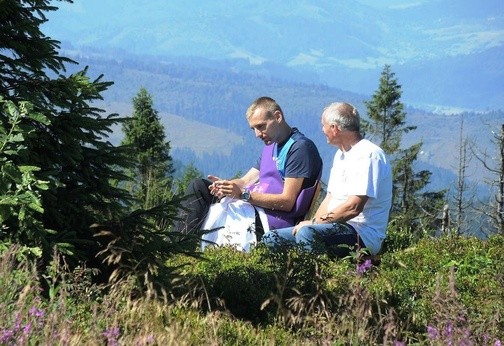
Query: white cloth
x=233, y=223
x=364, y=171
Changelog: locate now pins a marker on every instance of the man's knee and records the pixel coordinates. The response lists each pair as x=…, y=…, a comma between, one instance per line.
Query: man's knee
x=197, y=193
x=198, y=185
x=312, y=239
x=305, y=234
x=269, y=239
x=276, y=238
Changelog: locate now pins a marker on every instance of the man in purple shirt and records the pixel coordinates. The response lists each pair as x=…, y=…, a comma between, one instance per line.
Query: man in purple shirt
x=281, y=183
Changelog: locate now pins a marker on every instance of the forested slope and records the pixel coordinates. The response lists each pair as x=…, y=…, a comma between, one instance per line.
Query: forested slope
x=194, y=93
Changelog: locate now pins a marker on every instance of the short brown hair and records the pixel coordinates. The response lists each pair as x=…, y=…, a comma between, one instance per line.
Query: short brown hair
x=264, y=102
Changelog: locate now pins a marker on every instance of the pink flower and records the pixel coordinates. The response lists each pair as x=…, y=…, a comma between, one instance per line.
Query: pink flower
x=362, y=268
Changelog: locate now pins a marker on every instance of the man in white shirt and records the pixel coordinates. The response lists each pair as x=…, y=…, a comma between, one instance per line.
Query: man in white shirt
x=356, y=208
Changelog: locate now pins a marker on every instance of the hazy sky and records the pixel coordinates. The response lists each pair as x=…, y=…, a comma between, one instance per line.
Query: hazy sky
x=326, y=38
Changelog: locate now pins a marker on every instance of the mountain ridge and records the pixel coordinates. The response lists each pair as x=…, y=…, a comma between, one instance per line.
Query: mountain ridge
x=203, y=111
x=429, y=43
x=205, y=62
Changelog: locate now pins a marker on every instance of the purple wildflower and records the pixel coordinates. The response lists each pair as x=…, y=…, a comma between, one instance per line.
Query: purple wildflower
x=35, y=312
x=449, y=330
x=6, y=335
x=17, y=323
x=112, y=334
x=362, y=268
x=27, y=329
x=149, y=339
x=432, y=331
x=497, y=343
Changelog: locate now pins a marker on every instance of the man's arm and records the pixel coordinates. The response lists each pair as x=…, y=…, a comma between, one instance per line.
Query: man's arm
x=352, y=207
x=283, y=201
x=234, y=187
x=251, y=177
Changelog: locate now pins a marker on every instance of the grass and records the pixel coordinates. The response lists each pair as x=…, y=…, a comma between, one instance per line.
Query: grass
x=306, y=301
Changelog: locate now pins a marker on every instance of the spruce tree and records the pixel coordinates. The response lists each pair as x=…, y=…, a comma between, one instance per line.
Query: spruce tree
x=70, y=150
x=145, y=134
x=386, y=113
x=414, y=211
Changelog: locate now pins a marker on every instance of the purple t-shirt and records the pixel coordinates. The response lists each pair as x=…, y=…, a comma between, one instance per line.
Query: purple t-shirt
x=271, y=180
x=303, y=159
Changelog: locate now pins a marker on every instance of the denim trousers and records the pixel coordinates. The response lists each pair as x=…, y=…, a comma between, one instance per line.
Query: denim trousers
x=338, y=239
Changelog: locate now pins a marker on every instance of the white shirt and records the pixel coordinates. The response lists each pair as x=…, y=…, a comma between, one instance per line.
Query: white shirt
x=364, y=170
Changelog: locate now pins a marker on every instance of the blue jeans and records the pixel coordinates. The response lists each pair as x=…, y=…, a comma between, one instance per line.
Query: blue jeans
x=324, y=237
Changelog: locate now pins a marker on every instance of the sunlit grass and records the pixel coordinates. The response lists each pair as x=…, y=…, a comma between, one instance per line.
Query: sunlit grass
x=341, y=305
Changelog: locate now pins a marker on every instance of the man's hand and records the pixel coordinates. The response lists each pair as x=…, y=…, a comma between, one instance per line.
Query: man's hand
x=221, y=188
x=214, y=189
x=299, y=225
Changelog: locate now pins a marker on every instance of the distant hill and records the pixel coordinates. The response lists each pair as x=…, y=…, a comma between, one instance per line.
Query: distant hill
x=448, y=54
x=203, y=110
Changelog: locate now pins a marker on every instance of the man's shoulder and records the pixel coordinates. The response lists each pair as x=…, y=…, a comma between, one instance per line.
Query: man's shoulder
x=370, y=146
x=305, y=144
x=374, y=151
x=305, y=151
x=301, y=139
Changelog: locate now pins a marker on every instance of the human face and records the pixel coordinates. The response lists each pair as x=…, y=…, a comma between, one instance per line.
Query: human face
x=329, y=130
x=264, y=127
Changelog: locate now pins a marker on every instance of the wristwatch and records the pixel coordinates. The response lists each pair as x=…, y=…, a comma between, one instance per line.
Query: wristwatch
x=245, y=195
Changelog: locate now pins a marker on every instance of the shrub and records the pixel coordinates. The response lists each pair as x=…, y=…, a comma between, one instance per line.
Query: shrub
x=444, y=283
x=443, y=291
x=265, y=286
x=79, y=314
x=469, y=268
x=227, y=279
x=20, y=191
